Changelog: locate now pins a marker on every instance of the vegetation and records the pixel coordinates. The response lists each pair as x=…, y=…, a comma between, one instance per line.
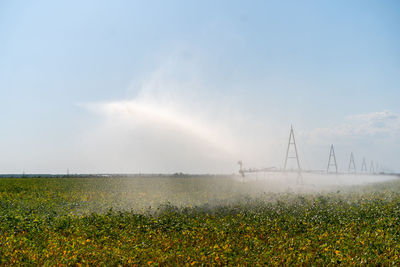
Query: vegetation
x=109, y=221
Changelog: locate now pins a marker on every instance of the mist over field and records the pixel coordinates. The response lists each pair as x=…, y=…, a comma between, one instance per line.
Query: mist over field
x=150, y=193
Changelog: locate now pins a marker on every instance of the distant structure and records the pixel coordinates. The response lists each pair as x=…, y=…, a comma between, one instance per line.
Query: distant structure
x=241, y=171
x=292, y=142
x=364, y=166
x=332, y=160
x=352, y=165
x=371, y=167
x=332, y=167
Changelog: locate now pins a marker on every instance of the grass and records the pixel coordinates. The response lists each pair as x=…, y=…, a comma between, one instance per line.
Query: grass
x=207, y=221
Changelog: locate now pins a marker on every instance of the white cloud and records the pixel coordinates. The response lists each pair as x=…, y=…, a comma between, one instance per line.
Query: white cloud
x=377, y=123
x=382, y=124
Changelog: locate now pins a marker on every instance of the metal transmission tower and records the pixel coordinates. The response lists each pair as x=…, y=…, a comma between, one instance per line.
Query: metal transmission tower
x=332, y=160
x=352, y=165
x=241, y=171
x=371, y=168
x=364, y=166
x=292, y=142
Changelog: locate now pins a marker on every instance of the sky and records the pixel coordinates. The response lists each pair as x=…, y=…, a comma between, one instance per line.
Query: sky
x=195, y=86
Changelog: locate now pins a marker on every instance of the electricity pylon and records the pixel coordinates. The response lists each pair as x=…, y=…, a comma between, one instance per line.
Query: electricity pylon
x=364, y=166
x=352, y=165
x=371, y=168
x=332, y=157
x=292, y=142
x=241, y=168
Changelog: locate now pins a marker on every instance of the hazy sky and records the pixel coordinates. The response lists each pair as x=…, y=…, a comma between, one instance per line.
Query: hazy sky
x=194, y=86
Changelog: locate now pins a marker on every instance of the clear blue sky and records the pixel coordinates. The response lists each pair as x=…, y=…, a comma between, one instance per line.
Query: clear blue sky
x=332, y=68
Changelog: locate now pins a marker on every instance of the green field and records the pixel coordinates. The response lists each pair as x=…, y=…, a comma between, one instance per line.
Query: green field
x=195, y=221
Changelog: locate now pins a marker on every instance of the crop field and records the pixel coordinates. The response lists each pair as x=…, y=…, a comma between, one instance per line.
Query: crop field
x=204, y=220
